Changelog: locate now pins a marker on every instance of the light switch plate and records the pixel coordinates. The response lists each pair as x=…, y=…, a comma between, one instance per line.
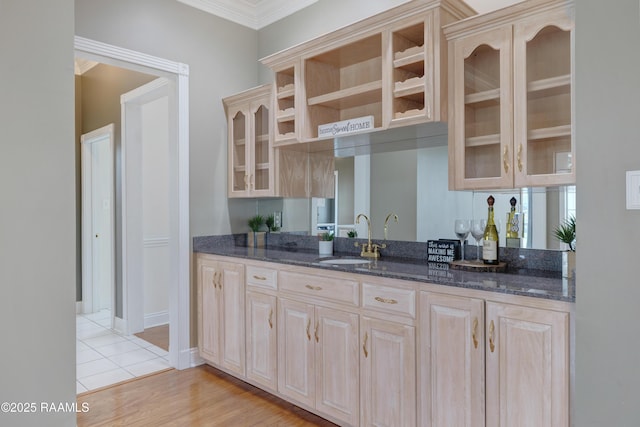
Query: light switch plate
x=633, y=190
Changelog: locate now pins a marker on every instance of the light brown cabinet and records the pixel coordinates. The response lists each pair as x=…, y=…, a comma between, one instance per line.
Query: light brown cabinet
x=391, y=66
x=250, y=150
x=527, y=366
x=318, y=359
x=255, y=167
x=510, y=368
x=364, y=350
x=510, y=121
x=221, y=314
x=451, y=360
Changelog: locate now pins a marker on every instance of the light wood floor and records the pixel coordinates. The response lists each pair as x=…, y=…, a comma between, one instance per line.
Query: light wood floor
x=201, y=396
x=158, y=336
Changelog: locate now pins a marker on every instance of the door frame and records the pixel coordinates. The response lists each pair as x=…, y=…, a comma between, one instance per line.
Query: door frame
x=180, y=352
x=132, y=194
x=87, y=218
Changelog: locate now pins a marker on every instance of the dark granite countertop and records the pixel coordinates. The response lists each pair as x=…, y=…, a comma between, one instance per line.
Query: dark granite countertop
x=531, y=283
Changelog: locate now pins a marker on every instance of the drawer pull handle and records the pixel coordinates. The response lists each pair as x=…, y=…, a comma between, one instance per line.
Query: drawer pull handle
x=313, y=288
x=492, y=344
x=271, y=319
x=364, y=345
x=386, y=300
x=308, y=326
x=259, y=277
x=316, y=332
x=475, y=331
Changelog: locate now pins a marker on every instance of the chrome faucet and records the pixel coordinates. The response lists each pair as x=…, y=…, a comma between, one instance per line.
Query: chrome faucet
x=370, y=250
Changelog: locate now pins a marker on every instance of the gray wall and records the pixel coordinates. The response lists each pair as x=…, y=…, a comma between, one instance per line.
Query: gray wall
x=37, y=209
x=608, y=144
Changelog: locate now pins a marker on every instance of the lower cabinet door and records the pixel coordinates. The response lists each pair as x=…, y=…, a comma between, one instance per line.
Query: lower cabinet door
x=337, y=373
x=296, y=351
x=527, y=366
x=388, y=373
x=231, y=284
x=209, y=307
x=261, y=340
x=451, y=361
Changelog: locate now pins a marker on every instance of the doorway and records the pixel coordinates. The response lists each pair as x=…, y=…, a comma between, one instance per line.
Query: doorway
x=180, y=355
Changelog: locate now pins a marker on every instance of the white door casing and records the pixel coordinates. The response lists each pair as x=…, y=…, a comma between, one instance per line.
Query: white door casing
x=180, y=353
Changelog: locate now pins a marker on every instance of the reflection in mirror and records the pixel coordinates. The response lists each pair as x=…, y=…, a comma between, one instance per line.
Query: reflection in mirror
x=410, y=179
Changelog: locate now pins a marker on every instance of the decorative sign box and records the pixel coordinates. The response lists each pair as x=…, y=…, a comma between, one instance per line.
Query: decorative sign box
x=443, y=251
x=346, y=127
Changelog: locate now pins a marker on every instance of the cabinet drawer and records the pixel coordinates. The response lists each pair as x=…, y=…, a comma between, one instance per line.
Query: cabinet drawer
x=329, y=288
x=389, y=299
x=262, y=277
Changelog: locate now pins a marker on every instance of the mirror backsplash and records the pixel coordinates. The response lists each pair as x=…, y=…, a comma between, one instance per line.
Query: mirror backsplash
x=412, y=183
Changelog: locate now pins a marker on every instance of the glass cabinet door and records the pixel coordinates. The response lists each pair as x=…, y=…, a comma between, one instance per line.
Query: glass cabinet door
x=260, y=177
x=543, y=116
x=483, y=110
x=238, y=159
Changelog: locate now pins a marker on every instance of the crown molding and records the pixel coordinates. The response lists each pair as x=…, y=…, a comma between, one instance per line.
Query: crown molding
x=254, y=14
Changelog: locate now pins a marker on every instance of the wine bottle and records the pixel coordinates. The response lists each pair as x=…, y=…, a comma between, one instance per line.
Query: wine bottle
x=512, y=220
x=490, y=239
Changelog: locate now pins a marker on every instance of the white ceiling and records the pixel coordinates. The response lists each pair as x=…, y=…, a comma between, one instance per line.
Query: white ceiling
x=260, y=13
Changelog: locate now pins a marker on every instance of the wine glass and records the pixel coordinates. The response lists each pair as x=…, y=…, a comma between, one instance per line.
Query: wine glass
x=477, y=231
x=462, y=229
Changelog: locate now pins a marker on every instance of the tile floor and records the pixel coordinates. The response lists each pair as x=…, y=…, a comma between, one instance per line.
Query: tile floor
x=104, y=357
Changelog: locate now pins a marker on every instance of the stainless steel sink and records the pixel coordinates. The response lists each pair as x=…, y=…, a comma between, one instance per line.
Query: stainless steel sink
x=344, y=261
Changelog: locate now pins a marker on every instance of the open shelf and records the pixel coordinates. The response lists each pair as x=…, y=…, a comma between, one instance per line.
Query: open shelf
x=409, y=56
x=348, y=98
x=287, y=91
x=286, y=115
x=409, y=87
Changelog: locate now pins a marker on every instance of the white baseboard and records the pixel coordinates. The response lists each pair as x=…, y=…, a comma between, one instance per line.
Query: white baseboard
x=120, y=325
x=196, y=360
x=156, y=319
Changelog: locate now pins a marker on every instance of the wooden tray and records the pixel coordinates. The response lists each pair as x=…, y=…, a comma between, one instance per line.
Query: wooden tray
x=478, y=266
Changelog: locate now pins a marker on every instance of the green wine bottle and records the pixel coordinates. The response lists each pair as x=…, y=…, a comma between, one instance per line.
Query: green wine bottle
x=490, y=239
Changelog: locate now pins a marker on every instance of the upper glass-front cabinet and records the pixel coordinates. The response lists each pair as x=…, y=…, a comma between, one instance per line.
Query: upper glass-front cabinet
x=511, y=107
x=250, y=148
x=481, y=122
x=543, y=130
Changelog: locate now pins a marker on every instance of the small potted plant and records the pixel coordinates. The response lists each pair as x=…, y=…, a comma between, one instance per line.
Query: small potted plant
x=256, y=238
x=352, y=234
x=270, y=222
x=566, y=233
x=325, y=245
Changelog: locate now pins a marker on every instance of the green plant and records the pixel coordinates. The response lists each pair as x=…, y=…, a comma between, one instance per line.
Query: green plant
x=255, y=222
x=270, y=222
x=326, y=237
x=566, y=233
x=352, y=234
